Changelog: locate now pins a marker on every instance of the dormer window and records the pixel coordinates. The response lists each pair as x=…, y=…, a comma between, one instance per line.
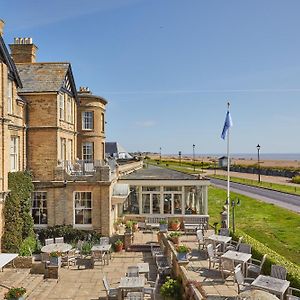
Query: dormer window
x=10, y=96
x=88, y=120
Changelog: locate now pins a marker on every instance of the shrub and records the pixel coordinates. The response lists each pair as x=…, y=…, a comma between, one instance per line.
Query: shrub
x=15, y=293
x=183, y=249
x=55, y=254
x=163, y=222
x=174, y=234
x=28, y=246
x=296, y=179
x=86, y=248
x=171, y=288
x=70, y=234
x=118, y=243
x=129, y=225
x=259, y=249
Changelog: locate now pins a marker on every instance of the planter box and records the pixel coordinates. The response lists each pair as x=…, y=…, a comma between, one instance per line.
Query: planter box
x=23, y=262
x=163, y=227
x=55, y=261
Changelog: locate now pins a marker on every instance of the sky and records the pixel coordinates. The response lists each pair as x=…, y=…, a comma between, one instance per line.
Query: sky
x=169, y=67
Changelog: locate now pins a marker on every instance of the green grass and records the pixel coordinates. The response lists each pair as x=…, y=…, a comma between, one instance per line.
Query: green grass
x=269, y=185
x=277, y=228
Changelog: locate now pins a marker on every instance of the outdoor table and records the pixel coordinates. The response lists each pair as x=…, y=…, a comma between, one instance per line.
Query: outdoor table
x=220, y=239
x=256, y=295
x=6, y=258
x=144, y=269
x=59, y=247
x=273, y=285
x=131, y=284
x=103, y=248
x=239, y=257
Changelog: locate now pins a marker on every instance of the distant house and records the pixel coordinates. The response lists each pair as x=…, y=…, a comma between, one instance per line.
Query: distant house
x=223, y=161
x=114, y=149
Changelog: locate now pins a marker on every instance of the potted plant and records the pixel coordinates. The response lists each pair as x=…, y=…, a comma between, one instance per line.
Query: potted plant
x=170, y=289
x=174, y=237
x=15, y=293
x=182, y=251
x=118, y=246
x=128, y=226
x=163, y=226
x=134, y=225
x=117, y=225
x=175, y=224
x=55, y=258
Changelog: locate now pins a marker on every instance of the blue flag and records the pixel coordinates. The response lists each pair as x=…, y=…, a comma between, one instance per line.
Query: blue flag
x=227, y=125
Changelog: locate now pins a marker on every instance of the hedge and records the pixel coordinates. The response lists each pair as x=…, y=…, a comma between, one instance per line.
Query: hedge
x=296, y=179
x=273, y=258
x=69, y=233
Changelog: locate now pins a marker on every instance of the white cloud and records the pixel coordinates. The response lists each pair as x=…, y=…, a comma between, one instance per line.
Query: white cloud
x=146, y=123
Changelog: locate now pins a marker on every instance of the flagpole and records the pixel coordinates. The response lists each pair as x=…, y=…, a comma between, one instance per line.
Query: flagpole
x=228, y=173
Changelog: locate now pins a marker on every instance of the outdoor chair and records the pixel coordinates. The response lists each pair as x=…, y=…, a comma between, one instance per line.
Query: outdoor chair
x=224, y=232
x=233, y=245
x=200, y=239
x=163, y=265
x=212, y=256
x=45, y=258
x=245, y=248
x=290, y=294
x=278, y=272
x=132, y=271
x=227, y=267
x=104, y=241
x=49, y=241
x=156, y=250
x=69, y=258
x=59, y=240
x=242, y=282
x=98, y=255
x=255, y=266
x=152, y=289
x=111, y=293
x=134, y=296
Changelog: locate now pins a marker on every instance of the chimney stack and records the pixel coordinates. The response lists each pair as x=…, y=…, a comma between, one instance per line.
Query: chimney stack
x=23, y=50
x=2, y=23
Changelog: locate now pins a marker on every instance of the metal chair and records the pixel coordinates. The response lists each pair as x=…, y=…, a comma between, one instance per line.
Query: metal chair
x=290, y=294
x=245, y=248
x=152, y=289
x=233, y=245
x=59, y=240
x=132, y=271
x=164, y=267
x=242, y=282
x=255, y=266
x=227, y=267
x=200, y=239
x=278, y=272
x=134, y=296
x=98, y=255
x=156, y=250
x=69, y=258
x=212, y=256
x=104, y=241
x=49, y=241
x=111, y=293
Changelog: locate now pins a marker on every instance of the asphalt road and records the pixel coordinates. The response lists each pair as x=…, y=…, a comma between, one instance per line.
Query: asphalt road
x=291, y=202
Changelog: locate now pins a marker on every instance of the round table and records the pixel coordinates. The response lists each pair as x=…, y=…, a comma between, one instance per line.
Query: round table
x=59, y=247
x=256, y=295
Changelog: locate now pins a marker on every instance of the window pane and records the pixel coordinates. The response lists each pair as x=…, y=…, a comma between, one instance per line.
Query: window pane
x=88, y=120
x=173, y=188
x=156, y=203
x=39, y=208
x=167, y=203
x=150, y=188
x=82, y=210
x=177, y=203
x=146, y=204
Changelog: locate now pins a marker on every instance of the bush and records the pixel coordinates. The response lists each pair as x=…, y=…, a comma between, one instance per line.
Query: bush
x=28, y=246
x=296, y=179
x=259, y=249
x=87, y=248
x=70, y=234
x=171, y=288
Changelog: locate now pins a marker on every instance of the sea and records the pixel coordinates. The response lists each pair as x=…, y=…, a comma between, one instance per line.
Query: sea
x=263, y=156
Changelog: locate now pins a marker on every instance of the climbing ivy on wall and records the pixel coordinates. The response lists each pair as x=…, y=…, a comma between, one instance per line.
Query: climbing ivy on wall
x=18, y=221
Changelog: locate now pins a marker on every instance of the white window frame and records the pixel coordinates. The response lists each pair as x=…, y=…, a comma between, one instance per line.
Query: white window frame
x=88, y=157
x=61, y=101
x=40, y=208
x=9, y=96
x=14, y=153
x=82, y=208
x=87, y=120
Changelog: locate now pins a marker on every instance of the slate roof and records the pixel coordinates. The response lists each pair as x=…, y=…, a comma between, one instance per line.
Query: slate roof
x=157, y=173
x=114, y=149
x=42, y=77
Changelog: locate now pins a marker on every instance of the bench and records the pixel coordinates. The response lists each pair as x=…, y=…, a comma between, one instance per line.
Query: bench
x=153, y=222
x=195, y=222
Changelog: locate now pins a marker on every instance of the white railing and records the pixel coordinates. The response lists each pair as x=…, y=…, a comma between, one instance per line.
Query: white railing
x=80, y=167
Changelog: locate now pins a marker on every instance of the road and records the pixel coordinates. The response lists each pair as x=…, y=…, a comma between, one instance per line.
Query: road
x=291, y=202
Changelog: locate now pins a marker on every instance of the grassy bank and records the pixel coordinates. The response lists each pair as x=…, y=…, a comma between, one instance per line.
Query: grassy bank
x=275, y=227
x=269, y=185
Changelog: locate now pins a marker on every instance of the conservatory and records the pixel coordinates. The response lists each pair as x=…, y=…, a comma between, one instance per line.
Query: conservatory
x=164, y=192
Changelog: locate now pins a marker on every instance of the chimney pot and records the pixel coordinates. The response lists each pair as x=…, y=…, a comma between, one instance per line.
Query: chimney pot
x=23, y=50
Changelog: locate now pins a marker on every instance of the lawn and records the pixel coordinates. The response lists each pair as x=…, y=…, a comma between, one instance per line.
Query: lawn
x=269, y=185
x=277, y=228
